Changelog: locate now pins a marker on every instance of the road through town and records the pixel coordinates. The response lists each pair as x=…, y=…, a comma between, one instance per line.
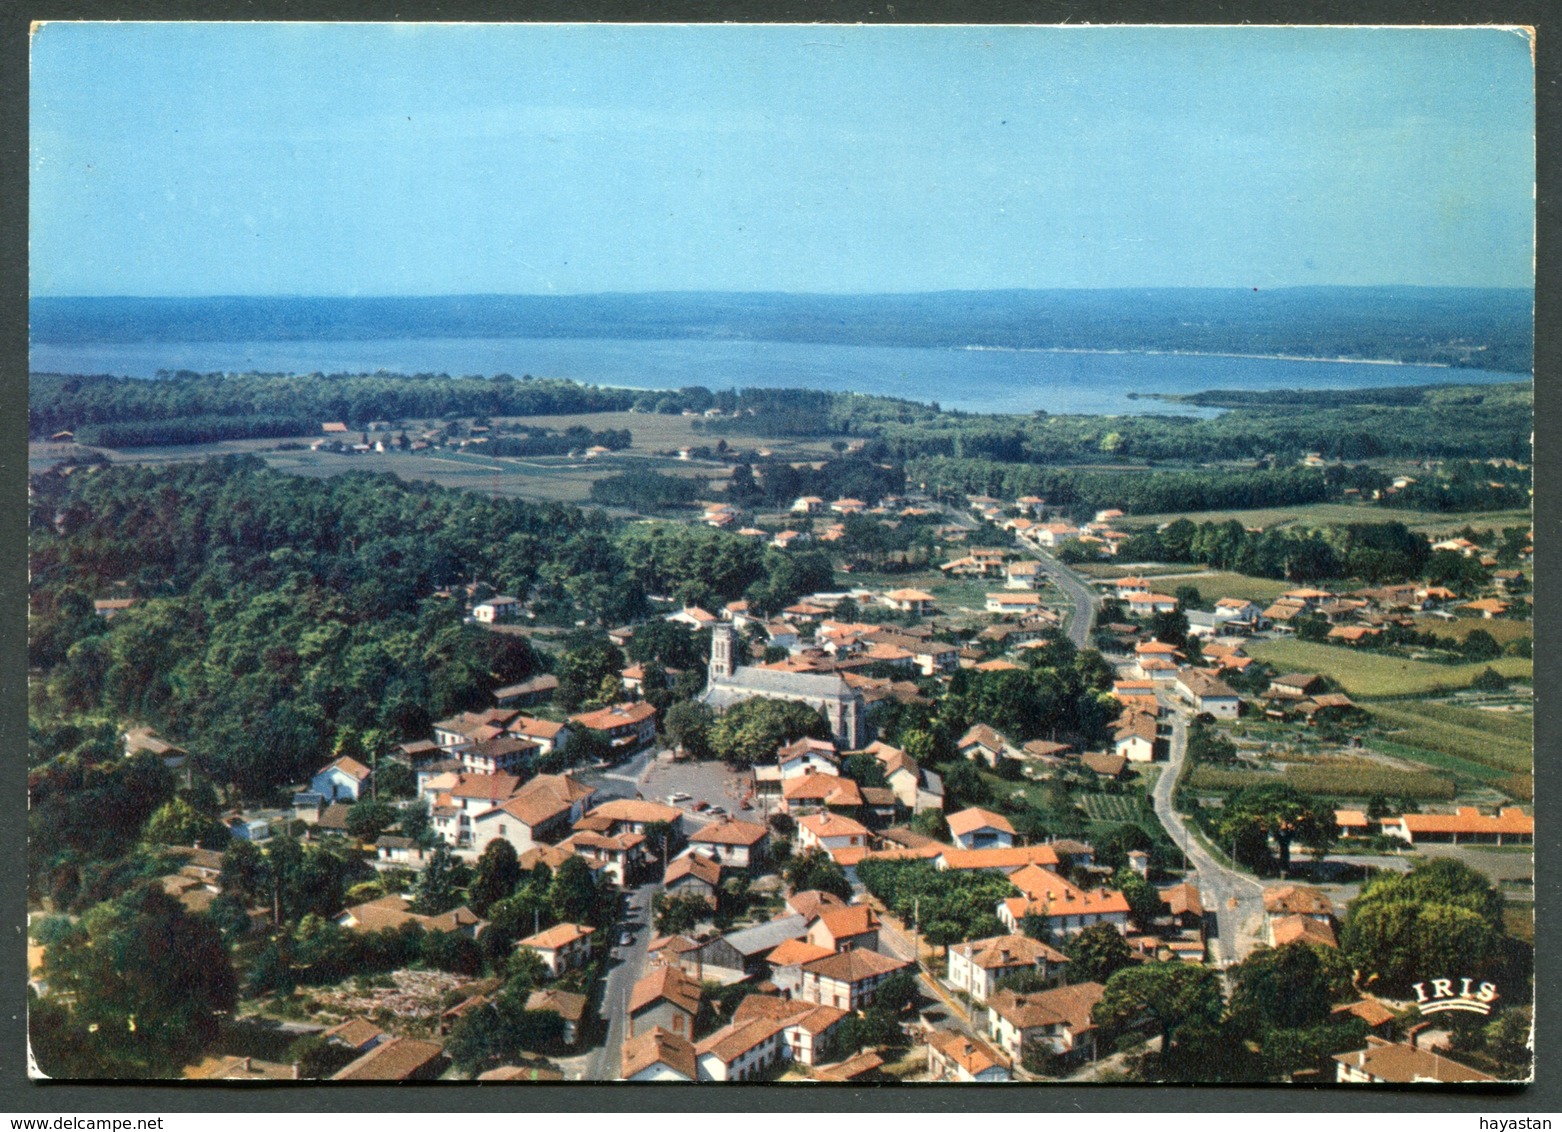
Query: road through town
x=1236, y=899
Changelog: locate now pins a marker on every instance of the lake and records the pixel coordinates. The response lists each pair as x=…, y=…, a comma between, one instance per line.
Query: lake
x=975, y=380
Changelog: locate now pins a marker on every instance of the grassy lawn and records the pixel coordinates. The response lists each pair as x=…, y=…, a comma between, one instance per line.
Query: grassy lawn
x=1319, y=513
x=1502, y=630
x=1222, y=584
x=1371, y=674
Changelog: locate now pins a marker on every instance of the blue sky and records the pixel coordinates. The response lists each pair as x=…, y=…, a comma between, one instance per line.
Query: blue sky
x=193, y=159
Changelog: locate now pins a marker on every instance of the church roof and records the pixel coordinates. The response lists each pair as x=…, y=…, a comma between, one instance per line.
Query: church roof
x=759, y=681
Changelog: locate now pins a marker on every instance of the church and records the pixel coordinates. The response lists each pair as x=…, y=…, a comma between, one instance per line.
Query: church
x=826, y=693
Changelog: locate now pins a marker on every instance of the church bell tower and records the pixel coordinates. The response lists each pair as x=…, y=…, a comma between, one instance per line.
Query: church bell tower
x=723, y=643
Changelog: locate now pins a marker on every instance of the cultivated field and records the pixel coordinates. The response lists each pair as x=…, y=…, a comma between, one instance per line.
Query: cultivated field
x=538, y=478
x=1501, y=741
x=1336, y=513
x=1371, y=674
x=1347, y=778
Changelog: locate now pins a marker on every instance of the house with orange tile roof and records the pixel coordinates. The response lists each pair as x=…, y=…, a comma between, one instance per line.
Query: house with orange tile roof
x=693, y=874
x=811, y=793
x=847, y=980
x=667, y=999
x=628, y=726
x=808, y=1030
x=658, y=1056
x=915, y=601
x=1134, y=737
x=1396, y=1063
x=741, y=1051
x=811, y=903
x=563, y=947
x=954, y=1056
x=1058, y=1018
x=1149, y=604
x=976, y=967
x=976, y=828
x=1292, y=929
x=1379, y=1018
x=808, y=756
x=1465, y=826
x=539, y=813
x=1003, y=859
x=341, y=780
x=1487, y=607
x=1066, y=908
x=399, y=1059
x=830, y=831
x=786, y=964
x=394, y=911
x=838, y=929
x=733, y=843
x=983, y=743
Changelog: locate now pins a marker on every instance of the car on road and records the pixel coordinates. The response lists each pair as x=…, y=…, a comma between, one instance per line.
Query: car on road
x=717, y=811
x=625, y=939
x=678, y=796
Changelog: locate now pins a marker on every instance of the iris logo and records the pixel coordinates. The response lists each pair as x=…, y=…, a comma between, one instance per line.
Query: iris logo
x=1475, y=999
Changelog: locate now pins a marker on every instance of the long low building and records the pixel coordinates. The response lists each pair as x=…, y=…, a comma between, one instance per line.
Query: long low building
x=1466, y=826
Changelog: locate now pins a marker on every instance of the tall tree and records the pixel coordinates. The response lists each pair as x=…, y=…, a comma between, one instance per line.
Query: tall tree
x=147, y=983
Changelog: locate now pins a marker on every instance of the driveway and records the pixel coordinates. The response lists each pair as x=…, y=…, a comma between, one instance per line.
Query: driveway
x=1236, y=899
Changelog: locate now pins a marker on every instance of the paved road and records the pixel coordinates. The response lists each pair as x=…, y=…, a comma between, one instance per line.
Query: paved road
x=622, y=780
x=1080, y=596
x=1236, y=899
x=602, y=1063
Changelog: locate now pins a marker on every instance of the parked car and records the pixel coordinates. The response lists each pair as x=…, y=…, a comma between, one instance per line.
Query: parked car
x=625, y=939
x=676, y=797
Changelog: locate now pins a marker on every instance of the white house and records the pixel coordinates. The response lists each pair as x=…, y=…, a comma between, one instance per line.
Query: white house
x=1059, y=1019
x=498, y=608
x=735, y=844
x=829, y=831
x=807, y=756
x=976, y=828
x=343, y=780
x=977, y=966
x=563, y=947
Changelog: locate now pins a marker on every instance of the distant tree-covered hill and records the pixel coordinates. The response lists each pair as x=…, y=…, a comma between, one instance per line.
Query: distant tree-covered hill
x=1482, y=328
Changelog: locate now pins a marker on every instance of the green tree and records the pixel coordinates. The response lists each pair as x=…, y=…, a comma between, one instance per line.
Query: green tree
x=750, y=732
x=573, y=893
x=816, y=869
x=1144, y=902
x=176, y=822
x=368, y=818
x=1096, y=954
x=1288, y=988
x=317, y=1056
x=437, y=889
x=1282, y=813
x=1180, y=998
x=498, y=872
x=147, y=982
x=679, y=914
x=501, y=1032
x=687, y=727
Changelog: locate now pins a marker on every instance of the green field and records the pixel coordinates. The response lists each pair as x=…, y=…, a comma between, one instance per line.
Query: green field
x=1347, y=780
x=1503, y=631
x=1112, y=807
x=1221, y=584
x=1104, y=571
x=1324, y=513
x=1371, y=674
x=1500, y=741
